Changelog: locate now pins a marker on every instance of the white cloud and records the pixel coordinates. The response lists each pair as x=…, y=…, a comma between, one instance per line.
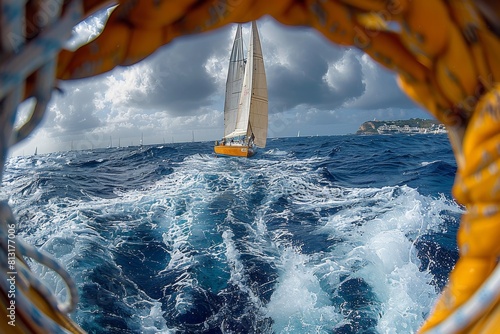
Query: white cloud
x=381, y=89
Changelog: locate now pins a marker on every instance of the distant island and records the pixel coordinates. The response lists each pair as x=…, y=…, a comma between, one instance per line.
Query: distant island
x=413, y=125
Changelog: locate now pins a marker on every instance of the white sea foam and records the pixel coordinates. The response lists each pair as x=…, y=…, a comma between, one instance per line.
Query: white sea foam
x=299, y=304
x=276, y=152
x=378, y=228
x=426, y=163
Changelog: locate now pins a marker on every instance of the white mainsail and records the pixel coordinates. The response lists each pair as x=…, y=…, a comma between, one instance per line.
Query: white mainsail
x=259, y=102
x=234, y=83
x=253, y=106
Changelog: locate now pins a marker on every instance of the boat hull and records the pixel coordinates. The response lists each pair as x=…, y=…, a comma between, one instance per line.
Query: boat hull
x=234, y=150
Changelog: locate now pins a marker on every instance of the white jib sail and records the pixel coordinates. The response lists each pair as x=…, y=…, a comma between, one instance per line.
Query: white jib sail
x=234, y=83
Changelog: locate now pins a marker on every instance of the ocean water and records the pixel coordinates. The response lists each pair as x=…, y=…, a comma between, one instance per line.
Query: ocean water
x=337, y=234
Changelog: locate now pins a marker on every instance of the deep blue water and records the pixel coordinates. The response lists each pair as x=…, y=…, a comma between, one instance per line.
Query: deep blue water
x=339, y=234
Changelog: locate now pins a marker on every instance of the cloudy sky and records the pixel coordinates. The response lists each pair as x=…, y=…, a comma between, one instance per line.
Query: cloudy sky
x=177, y=93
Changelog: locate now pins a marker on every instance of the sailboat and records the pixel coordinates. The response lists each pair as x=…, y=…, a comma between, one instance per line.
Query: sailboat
x=246, y=104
